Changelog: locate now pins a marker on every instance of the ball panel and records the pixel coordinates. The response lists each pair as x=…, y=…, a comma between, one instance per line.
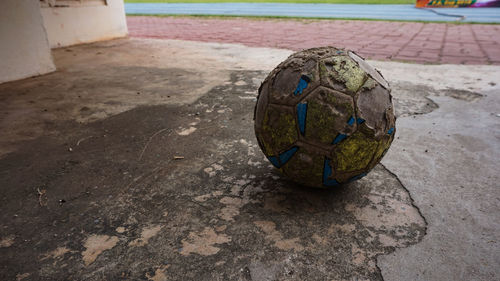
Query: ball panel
x=341, y=73
x=350, y=176
x=373, y=105
x=320, y=53
x=260, y=107
x=372, y=72
x=281, y=159
x=328, y=174
x=305, y=167
x=279, y=129
x=354, y=153
x=301, y=117
x=382, y=147
x=294, y=81
x=391, y=120
x=264, y=145
x=329, y=113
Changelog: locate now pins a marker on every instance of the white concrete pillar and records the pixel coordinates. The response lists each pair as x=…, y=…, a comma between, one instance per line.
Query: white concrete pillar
x=24, y=48
x=76, y=22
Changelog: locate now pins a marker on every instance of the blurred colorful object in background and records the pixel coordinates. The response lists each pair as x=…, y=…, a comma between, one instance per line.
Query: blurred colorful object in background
x=457, y=3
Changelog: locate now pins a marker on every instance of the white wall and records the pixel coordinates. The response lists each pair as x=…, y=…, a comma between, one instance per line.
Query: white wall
x=81, y=24
x=24, y=49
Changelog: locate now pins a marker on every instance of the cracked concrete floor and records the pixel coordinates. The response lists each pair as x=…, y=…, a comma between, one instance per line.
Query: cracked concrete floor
x=136, y=160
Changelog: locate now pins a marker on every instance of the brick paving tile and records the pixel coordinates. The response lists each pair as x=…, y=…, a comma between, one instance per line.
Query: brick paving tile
x=406, y=41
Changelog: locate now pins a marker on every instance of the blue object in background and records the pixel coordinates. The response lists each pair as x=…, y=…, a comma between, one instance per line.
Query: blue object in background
x=354, y=11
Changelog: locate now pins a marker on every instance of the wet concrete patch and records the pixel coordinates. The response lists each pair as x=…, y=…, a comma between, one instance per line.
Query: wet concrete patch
x=221, y=211
x=36, y=106
x=95, y=245
x=464, y=95
x=96, y=81
x=412, y=99
x=415, y=99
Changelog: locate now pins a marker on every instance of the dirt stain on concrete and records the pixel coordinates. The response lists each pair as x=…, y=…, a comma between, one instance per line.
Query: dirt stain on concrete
x=389, y=214
x=120, y=229
x=7, y=241
x=159, y=274
x=186, y=132
x=22, y=276
x=345, y=228
x=203, y=242
x=231, y=209
x=146, y=234
x=57, y=253
x=95, y=245
x=269, y=228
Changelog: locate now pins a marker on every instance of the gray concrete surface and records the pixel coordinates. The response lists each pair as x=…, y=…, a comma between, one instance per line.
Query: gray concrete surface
x=91, y=187
x=448, y=160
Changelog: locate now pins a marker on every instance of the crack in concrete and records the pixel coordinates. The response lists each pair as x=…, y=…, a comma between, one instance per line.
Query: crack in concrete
x=420, y=238
x=377, y=255
x=412, y=203
x=424, y=92
x=407, y=110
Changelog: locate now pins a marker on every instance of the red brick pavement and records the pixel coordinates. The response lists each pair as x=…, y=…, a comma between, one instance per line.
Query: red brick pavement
x=404, y=41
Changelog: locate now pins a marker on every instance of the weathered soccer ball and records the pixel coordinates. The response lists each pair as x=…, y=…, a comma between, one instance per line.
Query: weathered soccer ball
x=324, y=117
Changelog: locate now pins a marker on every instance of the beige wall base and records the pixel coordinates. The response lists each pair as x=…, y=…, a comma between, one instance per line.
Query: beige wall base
x=24, y=49
x=83, y=24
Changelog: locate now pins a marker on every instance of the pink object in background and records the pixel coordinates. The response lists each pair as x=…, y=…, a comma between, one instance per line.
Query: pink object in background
x=457, y=3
